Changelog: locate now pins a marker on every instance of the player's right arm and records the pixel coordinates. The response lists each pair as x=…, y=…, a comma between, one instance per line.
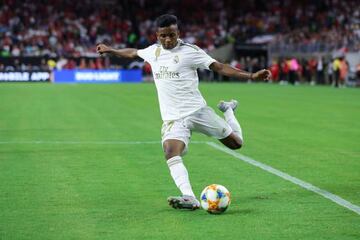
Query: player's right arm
x=123, y=53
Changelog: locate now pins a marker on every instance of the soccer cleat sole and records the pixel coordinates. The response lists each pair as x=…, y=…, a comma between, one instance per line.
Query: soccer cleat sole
x=176, y=203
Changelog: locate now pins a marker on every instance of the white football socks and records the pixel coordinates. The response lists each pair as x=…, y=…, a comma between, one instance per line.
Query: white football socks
x=180, y=175
x=233, y=122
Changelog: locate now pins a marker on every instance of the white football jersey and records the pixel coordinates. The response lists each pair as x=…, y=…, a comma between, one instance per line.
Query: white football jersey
x=176, y=78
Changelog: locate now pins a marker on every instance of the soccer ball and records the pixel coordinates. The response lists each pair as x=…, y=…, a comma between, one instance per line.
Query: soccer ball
x=215, y=199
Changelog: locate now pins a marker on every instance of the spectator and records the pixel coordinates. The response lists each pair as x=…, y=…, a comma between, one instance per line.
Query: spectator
x=82, y=64
x=336, y=69
x=274, y=68
x=320, y=71
x=312, y=63
x=294, y=69
x=344, y=69
x=330, y=72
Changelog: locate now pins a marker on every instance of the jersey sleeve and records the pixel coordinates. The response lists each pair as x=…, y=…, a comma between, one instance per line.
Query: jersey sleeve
x=201, y=59
x=146, y=53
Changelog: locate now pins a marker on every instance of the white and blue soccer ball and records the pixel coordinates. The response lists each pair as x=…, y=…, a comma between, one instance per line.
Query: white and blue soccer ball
x=215, y=199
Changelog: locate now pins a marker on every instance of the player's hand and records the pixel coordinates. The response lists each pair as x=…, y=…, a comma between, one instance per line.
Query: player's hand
x=102, y=48
x=262, y=75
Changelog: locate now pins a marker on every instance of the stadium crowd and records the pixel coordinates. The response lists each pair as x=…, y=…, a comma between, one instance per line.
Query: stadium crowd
x=291, y=70
x=65, y=31
x=71, y=28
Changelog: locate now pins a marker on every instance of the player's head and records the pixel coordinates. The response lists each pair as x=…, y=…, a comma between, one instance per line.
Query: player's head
x=167, y=30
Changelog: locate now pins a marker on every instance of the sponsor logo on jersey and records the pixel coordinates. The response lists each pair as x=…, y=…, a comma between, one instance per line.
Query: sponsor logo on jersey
x=164, y=73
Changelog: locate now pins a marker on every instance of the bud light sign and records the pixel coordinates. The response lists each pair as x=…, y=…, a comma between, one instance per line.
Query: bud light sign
x=97, y=76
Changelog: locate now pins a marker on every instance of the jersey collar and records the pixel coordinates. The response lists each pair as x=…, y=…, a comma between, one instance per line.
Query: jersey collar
x=179, y=41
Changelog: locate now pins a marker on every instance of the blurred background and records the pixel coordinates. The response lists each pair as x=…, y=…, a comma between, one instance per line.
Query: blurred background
x=300, y=41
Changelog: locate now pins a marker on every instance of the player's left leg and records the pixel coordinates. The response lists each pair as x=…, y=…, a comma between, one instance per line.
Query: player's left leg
x=227, y=131
x=209, y=123
x=232, y=141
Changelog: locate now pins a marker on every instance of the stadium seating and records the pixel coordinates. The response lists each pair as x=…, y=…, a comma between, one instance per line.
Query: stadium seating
x=68, y=30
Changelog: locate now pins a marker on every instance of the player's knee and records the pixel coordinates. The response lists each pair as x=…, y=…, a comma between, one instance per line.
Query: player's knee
x=171, y=152
x=236, y=144
x=233, y=142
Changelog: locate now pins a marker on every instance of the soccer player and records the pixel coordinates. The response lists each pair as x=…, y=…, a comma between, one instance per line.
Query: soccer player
x=174, y=66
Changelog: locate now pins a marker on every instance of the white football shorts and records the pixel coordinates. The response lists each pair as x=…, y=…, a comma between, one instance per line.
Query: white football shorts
x=204, y=120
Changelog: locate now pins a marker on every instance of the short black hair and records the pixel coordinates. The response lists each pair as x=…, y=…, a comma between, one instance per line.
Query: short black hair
x=166, y=20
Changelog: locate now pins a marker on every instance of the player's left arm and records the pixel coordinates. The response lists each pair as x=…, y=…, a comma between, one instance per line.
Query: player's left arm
x=227, y=70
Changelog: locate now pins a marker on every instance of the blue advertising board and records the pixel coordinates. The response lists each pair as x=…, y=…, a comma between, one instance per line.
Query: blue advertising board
x=97, y=76
x=24, y=76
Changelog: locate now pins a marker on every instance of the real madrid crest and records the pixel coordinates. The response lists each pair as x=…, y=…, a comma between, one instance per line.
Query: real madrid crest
x=176, y=59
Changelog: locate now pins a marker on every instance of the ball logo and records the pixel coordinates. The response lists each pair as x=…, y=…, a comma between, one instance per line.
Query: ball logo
x=215, y=199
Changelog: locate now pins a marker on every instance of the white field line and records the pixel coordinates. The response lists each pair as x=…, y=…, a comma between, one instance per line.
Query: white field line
x=80, y=142
x=338, y=200
x=89, y=142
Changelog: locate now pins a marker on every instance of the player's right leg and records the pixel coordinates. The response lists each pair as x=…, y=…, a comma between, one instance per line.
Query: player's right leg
x=175, y=139
x=235, y=139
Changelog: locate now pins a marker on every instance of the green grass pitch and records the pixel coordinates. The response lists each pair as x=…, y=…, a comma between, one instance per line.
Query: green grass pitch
x=62, y=178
